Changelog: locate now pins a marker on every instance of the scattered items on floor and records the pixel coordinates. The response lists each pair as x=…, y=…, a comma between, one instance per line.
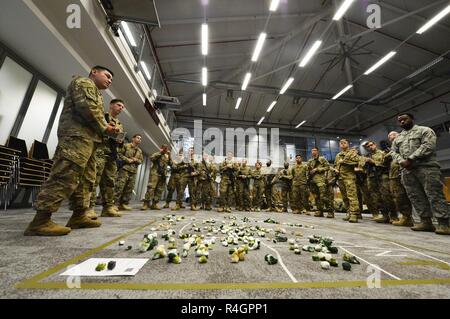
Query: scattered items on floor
x=97, y=267
x=271, y=260
x=350, y=259
x=346, y=266
x=122, y=242
x=111, y=265
x=100, y=267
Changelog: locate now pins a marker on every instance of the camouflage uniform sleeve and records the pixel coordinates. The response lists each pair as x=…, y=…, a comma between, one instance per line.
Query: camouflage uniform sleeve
x=122, y=151
x=427, y=145
x=325, y=165
x=139, y=156
x=155, y=156
x=89, y=105
x=395, y=153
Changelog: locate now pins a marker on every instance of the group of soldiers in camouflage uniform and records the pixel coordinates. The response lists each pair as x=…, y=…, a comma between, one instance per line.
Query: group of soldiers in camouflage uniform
x=90, y=145
x=383, y=180
x=86, y=157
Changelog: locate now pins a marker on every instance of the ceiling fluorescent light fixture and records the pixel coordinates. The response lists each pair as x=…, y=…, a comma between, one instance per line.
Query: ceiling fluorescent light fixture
x=426, y=67
x=128, y=33
x=204, y=99
x=146, y=70
x=343, y=9
x=274, y=5
x=259, y=45
x=434, y=20
x=238, y=102
x=246, y=81
x=204, y=76
x=380, y=63
x=286, y=85
x=348, y=87
x=261, y=120
x=310, y=53
x=271, y=106
x=204, y=39
x=300, y=124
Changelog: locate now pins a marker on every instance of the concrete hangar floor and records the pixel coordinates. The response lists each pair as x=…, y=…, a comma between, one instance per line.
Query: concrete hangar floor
x=394, y=261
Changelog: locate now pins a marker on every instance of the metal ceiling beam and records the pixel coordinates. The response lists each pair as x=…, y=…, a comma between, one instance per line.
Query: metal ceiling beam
x=391, y=37
x=223, y=40
x=244, y=64
x=286, y=128
x=236, y=18
x=383, y=4
x=275, y=90
x=347, y=64
x=200, y=57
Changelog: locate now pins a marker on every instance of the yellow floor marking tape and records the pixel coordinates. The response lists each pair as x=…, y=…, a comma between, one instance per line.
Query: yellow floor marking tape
x=76, y=259
x=231, y=286
x=33, y=283
x=425, y=262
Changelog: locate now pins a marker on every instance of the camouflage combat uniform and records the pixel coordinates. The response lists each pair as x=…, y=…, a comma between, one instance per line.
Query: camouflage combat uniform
x=300, y=200
x=243, y=187
x=126, y=176
x=318, y=183
x=345, y=164
x=106, y=167
x=81, y=128
x=269, y=174
x=398, y=191
x=368, y=190
x=283, y=182
x=227, y=181
x=423, y=181
x=205, y=178
x=381, y=172
x=157, y=179
x=258, y=188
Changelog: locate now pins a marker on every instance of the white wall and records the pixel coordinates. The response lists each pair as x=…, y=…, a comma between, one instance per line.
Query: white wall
x=14, y=82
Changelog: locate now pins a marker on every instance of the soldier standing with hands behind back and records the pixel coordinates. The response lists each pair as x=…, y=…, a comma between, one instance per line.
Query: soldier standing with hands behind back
x=81, y=128
x=415, y=150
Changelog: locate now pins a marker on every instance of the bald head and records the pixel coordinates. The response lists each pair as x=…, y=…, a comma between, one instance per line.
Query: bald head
x=392, y=136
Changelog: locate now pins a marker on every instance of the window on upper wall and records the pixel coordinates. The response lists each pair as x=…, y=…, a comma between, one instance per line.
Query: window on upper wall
x=14, y=82
x=38, y=114
x=325, y=150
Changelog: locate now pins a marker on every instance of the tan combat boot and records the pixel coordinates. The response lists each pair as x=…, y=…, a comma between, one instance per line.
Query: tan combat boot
x=382, y=219
x=125, y=207
x=194, y=207
x=155, y=206
x=167, y=205
x=42, y=225
x=91, y=214
x=404, y=221
x=318, y=214
x=346, y=218
x=425, y=225
x=228, y=209
x=330, y=215
x=110, y=211
x=353, y=219
x=443, y=227
x=79, y=219
x=176, y=207
x=208, y=207
x=296, y=211
x=145, y=205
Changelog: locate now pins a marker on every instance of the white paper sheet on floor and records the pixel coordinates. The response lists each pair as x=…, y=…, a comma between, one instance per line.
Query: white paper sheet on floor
x=124, y=267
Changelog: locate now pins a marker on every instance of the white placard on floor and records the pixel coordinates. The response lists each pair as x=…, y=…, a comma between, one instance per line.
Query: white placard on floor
x=124, y=267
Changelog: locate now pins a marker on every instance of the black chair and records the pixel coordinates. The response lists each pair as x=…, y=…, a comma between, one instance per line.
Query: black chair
x=9, y=168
